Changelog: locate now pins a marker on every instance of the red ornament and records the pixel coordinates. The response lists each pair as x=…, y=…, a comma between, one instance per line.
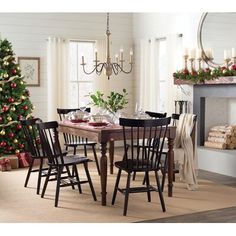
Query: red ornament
x=20, y=117
x=3, y=144
x=13, y=85
x=10, y=135
x=19, y=126
x=14, y=71
x=9, y=148
x=10, y=99
x=194, y=73
x=21, y=145
x=25, y=107
x=5, y=108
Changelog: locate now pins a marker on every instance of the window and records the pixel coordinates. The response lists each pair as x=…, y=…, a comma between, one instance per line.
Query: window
x=80, y=84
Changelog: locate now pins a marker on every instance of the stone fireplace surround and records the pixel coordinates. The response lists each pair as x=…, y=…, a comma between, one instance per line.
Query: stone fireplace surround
x=219, y=161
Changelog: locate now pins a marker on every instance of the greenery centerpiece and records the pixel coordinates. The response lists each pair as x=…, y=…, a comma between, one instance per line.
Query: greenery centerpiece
x=112, y=103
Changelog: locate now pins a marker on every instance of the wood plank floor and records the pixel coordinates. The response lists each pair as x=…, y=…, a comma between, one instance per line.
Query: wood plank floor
x=225, y=215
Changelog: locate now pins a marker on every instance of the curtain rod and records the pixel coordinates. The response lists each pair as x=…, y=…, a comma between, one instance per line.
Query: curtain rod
x=76, y=40
x=164, y=38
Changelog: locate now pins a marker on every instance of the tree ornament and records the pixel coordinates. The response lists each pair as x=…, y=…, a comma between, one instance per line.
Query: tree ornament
x=10, y=99
x=14, y=71
x=9, y=148
x=15, y=140
x=21, y=82
x=13, y=85
x=2, y=132
x=13, y=108
x=21, y=145
x=5, y=63
x=19, y=126
x=17, y=151
x=10, y=135
x=5, y=75
x=9, y=118
x=5, y=108
x=20, y=117
x=25, y=107
x=3, y=144
x=0, y=89
x=30, y=127
x=17, y=67
x=23, y=97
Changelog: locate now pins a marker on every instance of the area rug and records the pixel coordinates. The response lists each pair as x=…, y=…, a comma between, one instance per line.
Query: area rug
x=19, y=204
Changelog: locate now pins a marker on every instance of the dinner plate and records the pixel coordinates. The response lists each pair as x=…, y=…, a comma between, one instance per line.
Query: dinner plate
x=78, y=121
x=98, y=123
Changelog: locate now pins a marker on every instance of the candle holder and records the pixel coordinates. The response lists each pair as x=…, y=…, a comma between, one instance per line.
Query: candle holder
x=199, y=63
x=192, y=64
x=185, y=62
x=227, y=60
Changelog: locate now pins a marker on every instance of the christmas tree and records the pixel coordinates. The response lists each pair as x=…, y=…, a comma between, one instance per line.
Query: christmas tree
x=14, y=102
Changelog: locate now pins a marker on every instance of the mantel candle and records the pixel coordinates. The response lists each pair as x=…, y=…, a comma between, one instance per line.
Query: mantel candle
x=233, y=52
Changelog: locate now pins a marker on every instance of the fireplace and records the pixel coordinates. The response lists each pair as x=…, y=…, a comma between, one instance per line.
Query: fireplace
x=212, y=103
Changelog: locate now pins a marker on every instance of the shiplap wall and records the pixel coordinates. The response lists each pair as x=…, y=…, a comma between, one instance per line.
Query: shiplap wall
x=28, y=33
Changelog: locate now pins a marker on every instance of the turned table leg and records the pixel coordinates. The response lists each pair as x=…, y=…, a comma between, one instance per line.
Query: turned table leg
x=103, y=166
x=111, y=155
x=170, y=166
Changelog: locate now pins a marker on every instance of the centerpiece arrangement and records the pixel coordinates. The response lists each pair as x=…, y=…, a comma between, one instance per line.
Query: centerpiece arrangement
x=111, y=104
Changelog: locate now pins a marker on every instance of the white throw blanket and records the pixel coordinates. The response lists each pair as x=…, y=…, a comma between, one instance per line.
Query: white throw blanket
x=185, y=154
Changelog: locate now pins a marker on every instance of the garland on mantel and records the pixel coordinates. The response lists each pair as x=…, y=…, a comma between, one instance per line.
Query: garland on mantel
x=203, y=75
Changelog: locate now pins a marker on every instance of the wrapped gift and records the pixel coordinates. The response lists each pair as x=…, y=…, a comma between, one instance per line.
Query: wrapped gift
x=36, y=160
x=23, y=159
x=5, y=164
x=13, y=160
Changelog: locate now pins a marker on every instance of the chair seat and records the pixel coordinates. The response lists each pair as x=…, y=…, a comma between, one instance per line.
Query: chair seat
x=134, y=166
x=78, y=143
x=72, y=160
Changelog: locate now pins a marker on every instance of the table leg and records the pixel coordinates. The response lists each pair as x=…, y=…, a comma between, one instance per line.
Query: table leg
x=111, y=154
x=103, y=166
x=170, y=166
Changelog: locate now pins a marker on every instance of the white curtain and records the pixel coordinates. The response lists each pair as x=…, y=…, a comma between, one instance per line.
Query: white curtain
x=57, y=75
x=174, y=62
x=149, y=80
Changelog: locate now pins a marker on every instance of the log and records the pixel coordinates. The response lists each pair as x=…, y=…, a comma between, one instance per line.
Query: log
x=215, y=145
x=218, y=134
x=233, y=139
x=224, y=129
x=219, y=140
x=230, y=146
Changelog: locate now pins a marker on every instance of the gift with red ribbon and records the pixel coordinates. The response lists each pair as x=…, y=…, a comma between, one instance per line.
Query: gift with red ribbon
x=5, y=164
x=23, y=159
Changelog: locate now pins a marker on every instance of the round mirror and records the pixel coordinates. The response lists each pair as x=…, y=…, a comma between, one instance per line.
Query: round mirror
x=216, y=31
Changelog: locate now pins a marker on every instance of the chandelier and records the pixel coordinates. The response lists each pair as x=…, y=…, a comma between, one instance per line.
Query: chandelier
x=108, y=66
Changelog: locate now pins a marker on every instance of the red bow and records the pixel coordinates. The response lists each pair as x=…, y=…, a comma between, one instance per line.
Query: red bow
x=4, y=162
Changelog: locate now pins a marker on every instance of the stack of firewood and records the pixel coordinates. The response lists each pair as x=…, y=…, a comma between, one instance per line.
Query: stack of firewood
x=222, y=137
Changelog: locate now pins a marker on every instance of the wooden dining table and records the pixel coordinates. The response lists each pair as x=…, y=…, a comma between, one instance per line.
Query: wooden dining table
x=109, y=134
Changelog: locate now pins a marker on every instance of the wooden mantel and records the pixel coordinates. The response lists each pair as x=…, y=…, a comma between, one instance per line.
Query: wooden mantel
x=220, y=80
